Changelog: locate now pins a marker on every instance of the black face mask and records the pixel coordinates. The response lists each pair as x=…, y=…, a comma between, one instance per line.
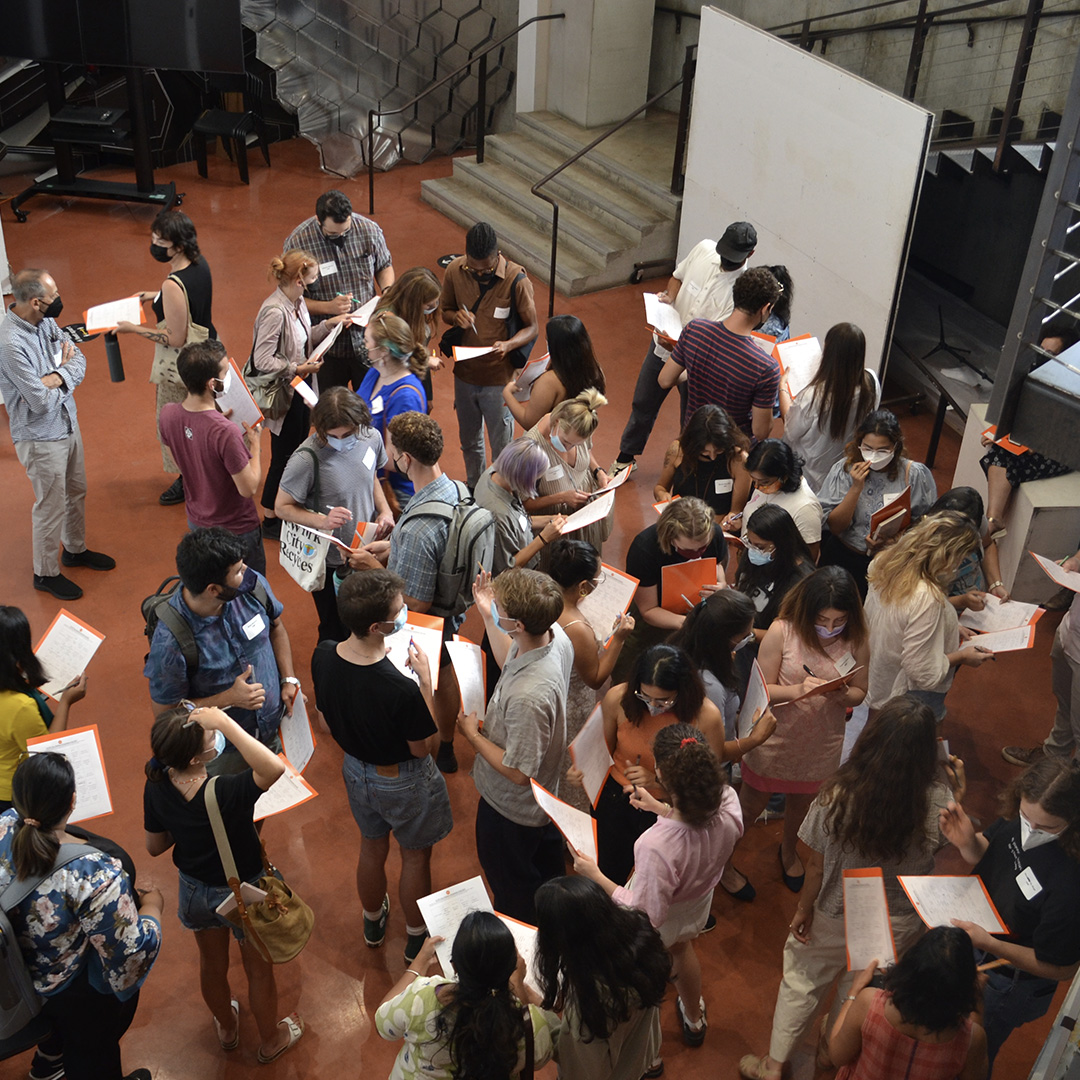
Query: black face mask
x=337, y=241
x=160, y=252
x=227, y=593
x=54, y=309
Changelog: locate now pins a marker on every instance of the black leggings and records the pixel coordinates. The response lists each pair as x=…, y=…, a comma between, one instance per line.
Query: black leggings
x=294, y=430
x=618, y=825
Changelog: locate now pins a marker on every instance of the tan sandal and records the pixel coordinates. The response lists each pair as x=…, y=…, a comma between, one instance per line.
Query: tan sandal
x=752, y=1067
x=296, y=1029
x=234, y=1042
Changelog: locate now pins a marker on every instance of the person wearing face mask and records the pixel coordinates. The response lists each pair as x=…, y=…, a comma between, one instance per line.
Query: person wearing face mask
x=185, y=741
x=524, y=736
x=414, y=297
x=777, y=473
x=182, y=310
x=39, y=371
x=819, y=636
x=382, y=719
x=233, y=650
x=284, y=338
x=223, y=465
x=873, y=473
x=331, y=484
x=393, y=386
x=1029, y=863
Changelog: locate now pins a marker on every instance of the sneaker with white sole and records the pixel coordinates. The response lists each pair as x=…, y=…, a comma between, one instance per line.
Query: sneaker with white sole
x=46, y=1068
x=375, y=929
x=620, y=466
x=1023, y=755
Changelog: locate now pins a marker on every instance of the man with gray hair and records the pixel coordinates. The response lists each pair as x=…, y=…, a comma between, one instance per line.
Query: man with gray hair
x=39, y=370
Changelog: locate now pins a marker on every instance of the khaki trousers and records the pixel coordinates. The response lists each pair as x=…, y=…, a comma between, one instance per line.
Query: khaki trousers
x=58, y=474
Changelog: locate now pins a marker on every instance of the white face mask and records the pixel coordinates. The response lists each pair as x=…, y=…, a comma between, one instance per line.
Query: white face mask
x=1031, y=838
x=878, y=459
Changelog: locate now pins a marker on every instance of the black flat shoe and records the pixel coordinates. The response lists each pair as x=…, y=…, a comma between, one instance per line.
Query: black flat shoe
x=59, y=586
x=745, y=894
x=92, y=560
x=793, y=881
x=173, y=494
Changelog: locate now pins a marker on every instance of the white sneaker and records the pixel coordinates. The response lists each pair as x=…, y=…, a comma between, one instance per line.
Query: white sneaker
x=618, y=467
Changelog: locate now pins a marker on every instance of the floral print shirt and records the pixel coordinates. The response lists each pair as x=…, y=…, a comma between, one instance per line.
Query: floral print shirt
x=83, y=914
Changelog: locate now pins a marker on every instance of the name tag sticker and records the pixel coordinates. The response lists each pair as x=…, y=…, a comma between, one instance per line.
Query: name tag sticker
x=722, y=487
x=524, y=523
x=1029, y=883
x=254, y=626
x=376, y=405
x=369, y=458
x=845, y=664
x=328, y=267
x=502, y=313
x=693, y=286
x=554, y=473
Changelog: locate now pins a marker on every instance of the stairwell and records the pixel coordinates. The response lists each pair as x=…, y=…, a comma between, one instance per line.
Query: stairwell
x=615, y=204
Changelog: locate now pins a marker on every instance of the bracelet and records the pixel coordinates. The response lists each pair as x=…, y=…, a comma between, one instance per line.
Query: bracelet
x=850, y=997
x=416, y=974
x=738, y=746
x=994, y=585
x=291, y=680
x=542, y=540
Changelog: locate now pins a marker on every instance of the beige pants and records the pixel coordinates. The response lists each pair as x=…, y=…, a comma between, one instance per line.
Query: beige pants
x=58, y=474
x=167, y=394
x=809, y=971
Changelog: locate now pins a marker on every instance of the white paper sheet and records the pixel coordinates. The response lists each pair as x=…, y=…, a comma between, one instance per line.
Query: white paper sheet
x=596, y=510
x=236, y=396
x=365, y=533
x=468, y=660
x=362, y=315
x=589, y=753
x=444, y=911
x=305, y=391
x=288, y=790
x=577, y=826
x=65, y=650
x=616, y=483
x=939, y=899
x=82, y=747
x=1000, y=615
x=525, y=940
x=429, y=639
x=867, y=932
x=607, y=601
x=800, y=358
x=755, y=701
x=296, y=734
x=470, y=352
x=317, y=353
x=661, y=316
x=109, y=316
x=525, y=378
x=1020, y=637
x=1069, y=578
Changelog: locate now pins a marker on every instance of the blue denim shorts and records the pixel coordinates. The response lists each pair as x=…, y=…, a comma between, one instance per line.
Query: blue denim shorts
x=414, y=805
x=197, y=903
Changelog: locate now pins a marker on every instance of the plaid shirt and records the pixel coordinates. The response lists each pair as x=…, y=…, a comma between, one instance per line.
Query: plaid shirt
x=27, y=353
x=356, y=261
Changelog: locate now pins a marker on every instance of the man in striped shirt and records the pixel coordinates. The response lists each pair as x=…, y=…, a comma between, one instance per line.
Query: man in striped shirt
x=39, y=370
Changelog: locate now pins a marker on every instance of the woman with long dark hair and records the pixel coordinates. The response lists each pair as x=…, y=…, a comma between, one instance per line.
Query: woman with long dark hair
x=607, y=969
x=879, y=809
x=414, y=297
x=470, y=1026
x=777, y=474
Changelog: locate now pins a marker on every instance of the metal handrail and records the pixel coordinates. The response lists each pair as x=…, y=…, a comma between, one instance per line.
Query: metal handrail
x=481, y=100
x=685, y=80
x=945, y=399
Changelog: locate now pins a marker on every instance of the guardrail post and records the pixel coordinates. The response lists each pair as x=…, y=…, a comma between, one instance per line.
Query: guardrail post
x=682, y=133
x=554, y=257
x=918, y=44
x=481, y=110
x=371, y=160
x=1019, y=78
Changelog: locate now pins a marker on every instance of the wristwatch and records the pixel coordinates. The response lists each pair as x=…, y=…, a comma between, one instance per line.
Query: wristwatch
x=292, y=680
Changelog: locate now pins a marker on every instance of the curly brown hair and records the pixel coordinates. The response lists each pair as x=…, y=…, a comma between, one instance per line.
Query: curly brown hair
x=1053, y=783
x=419, y=435
x=692, y=774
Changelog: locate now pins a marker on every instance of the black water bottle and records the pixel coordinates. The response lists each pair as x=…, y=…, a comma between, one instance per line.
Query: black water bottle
x=116, y=361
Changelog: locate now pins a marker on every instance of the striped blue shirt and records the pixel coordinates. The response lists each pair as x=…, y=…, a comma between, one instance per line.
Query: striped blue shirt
x=27, y=354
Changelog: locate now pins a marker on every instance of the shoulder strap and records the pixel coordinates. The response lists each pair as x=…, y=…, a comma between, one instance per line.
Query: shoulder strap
x=315, y=464
x=17, y=891
x=221, y=838
x=530, y=1050
x=181, y=630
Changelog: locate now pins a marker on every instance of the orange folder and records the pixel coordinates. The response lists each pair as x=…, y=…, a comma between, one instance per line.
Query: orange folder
x=680, y=584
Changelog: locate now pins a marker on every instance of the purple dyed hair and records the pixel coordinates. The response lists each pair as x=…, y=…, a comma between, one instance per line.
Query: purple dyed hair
x=521, y=465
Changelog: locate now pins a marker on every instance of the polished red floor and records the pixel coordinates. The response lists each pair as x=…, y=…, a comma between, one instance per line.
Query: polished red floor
x=97, y=252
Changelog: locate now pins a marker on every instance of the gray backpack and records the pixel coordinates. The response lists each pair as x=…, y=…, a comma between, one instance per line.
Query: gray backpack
x=19, y=1001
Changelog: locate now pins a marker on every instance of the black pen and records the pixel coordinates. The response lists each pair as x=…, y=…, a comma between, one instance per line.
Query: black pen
x=809, y=672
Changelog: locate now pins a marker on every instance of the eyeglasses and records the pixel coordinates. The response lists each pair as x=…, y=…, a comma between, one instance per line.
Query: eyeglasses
x=335, y=235
x=660, y=703
x=595, y=583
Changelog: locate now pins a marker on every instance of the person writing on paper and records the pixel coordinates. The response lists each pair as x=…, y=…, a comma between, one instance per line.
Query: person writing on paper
x=177, y=818
x=182, y=309
x=821, y=421
x=686, y=531
x=819, y=636
x=566, y=437
x=777, y=473
x=1029, y=862
x=382, y=720
x=524, y=736
x=24, y=712
x=708, y=461
x=414, y=297
x=39, y=371
x=879, y=809
x=354, y=263
x=284, y=337
x=924, y=1017
x=874, y=471
x=700, y=288
x=572, y=368
x=679, y=860
x=393, y=385
x=88, y=936
x=242, y=649
x=916, y=641
x=223, y=465
x=331, y=484
x=486, y=301
x=471, y=1023
x=607, y=967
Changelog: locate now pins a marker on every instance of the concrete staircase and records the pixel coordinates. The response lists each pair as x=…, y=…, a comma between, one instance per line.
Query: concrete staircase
x=615, y=206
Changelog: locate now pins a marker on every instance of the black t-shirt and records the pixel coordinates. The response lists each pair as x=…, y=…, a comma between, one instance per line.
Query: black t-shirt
x=646, y=561
x=195, y=853
x=710, y=481
x=1048, y=922
x=199, y=286
x=765, y=592
x=373, y=710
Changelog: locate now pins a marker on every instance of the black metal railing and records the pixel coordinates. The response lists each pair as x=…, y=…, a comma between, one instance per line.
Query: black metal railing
x=480, y=59
x=945, y=399
x=677, y=177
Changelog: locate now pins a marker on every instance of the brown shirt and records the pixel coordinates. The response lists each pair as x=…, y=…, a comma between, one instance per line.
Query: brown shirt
x=461, y=290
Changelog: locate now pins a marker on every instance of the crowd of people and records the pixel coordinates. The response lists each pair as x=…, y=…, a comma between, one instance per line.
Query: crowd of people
x=833, y=618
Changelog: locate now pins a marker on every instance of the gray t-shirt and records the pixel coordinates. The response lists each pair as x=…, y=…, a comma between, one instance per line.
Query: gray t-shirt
x=527, y=718
x=727, y=701
x=346, y=478
x=512, y=528
x=918, y=859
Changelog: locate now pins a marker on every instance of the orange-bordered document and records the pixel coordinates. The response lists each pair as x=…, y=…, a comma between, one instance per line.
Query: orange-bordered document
x=608, y=602
x=366, y=531
x=893, y=518
x=1005, y=442
x=525, y=378
x=799, y=359
x=589, y=752
x=288, y=790
x=305, y=391
x=297, y=734
x=940, y=898
x=754, y=703
x=765, y=342
x=105, y=317
x=525, y=940
x=661, y=506
x=1018, y=637
x=825, y=688
x=82, y=747
x=1056, y=572
x=867, y=931
x=65, y=651
x=1001, y=615
x=427, y=632
x=680, y=584
x=577, y=827
x=471, y=671
x=236, y=400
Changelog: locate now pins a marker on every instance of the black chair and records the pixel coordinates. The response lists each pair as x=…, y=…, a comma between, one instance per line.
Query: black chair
x=232, y=128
